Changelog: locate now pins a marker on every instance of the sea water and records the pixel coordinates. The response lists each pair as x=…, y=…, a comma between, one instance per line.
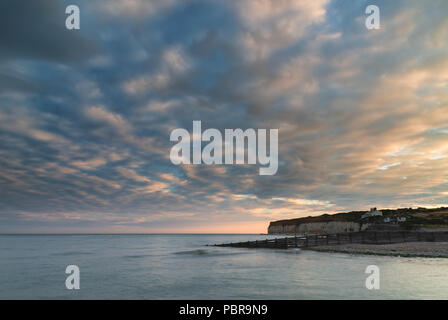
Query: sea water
x=183, y=267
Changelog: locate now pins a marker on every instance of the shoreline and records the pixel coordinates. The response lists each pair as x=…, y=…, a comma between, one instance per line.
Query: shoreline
x=406, y=249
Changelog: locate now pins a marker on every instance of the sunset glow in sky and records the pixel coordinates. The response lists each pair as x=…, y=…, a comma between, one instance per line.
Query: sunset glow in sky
x=86, y=115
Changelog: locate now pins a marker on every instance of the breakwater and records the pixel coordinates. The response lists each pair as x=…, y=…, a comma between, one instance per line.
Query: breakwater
x=363, y=237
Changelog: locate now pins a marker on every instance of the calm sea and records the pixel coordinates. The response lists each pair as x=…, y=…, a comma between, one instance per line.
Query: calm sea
x=182, y=267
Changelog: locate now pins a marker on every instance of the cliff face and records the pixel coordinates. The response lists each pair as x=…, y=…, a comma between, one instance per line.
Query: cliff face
x=340, y=222
x=352, y=221
x=316, y=227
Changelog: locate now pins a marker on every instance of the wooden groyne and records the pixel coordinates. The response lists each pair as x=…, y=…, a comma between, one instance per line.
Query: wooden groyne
x=364, y=237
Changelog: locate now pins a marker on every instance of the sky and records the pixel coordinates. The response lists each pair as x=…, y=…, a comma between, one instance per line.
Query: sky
x=86, y=115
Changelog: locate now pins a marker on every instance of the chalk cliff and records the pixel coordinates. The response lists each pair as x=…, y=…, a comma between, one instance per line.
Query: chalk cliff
x=409, y=218
x=342, y=222
x=317, y=227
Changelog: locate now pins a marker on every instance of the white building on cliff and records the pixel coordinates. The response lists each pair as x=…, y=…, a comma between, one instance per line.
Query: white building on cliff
x=372, y=213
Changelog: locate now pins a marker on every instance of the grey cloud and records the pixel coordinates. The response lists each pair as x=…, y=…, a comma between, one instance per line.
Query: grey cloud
x=36, y=30
x=91, y=143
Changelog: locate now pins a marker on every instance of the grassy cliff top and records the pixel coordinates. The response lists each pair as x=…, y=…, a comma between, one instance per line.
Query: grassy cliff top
x=438, y=216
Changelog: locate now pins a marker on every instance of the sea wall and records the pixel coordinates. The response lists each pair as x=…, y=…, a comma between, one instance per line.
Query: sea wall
x=317, y=227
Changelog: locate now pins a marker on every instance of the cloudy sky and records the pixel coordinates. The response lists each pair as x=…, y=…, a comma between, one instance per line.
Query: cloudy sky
x=86, y=115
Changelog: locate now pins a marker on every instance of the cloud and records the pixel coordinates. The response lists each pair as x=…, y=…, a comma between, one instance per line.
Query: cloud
x=100, y=115
x=85, y=116
x=36, y=30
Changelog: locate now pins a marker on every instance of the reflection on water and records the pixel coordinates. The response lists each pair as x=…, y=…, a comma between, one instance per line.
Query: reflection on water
x=181, y=267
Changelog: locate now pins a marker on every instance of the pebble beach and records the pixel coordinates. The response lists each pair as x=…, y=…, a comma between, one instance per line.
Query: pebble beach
x=418, y=249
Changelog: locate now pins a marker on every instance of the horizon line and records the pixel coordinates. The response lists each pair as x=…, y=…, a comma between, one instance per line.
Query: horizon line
x=127, y=233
